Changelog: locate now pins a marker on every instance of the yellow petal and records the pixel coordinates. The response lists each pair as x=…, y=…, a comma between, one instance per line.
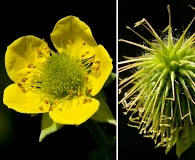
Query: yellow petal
x=28, y=102
x=106, y=67
x=23, y=54
x=72, y=36
x=74, y=112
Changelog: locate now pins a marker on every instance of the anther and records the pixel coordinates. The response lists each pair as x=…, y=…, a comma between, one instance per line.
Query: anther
x=97, y=62
x=89, y=100
x=31, y=66
x=95, y=68
x=19, y=85
x=85, y=100
x=24, y=80
x=46, y=101
x=51, y=108
x=23, y=89
x=89, y=90
x=41, y=108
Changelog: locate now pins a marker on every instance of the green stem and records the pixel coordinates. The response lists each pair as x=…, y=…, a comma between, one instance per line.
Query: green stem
x=105, y=143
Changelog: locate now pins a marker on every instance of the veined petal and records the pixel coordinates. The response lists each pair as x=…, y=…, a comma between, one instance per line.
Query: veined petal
x=74, y=112
x=23, y=54
x=28, y=102
x=106, y=67
x=72, y=36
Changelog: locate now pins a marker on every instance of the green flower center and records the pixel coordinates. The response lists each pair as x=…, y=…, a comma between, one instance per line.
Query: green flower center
x=62, y=75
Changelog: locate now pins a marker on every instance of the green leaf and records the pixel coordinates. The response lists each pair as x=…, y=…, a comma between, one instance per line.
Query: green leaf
x=48, y=126
x=182, y=145
x=186, y=139
x=111, y=77
x=104, y=114
x=174, y=138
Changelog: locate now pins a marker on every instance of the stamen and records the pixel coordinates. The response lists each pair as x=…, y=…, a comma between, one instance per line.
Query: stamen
x=41, y=108
x=31, y=66
x=46, y=101
x=24, y=80
x=51, y=108
x=87, y=100
x=89, y=91
x=19, y=85
x=23, y=89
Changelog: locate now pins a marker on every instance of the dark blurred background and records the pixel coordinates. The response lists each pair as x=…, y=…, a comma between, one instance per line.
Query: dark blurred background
x=19, y=133
x=131, y=145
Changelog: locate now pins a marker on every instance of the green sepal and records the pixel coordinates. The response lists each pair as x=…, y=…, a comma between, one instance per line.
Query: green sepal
x=111, y=77
x=104, y=114
x=48, y=126
x=186, y=139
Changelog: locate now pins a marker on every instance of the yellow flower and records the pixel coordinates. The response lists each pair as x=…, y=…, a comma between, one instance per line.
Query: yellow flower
x=62, y=83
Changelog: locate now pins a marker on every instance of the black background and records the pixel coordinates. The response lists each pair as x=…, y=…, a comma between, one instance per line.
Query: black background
x=131, y=145
x=19, y=133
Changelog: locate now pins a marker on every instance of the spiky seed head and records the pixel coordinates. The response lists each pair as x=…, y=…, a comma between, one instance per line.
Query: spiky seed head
x=160, y=94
